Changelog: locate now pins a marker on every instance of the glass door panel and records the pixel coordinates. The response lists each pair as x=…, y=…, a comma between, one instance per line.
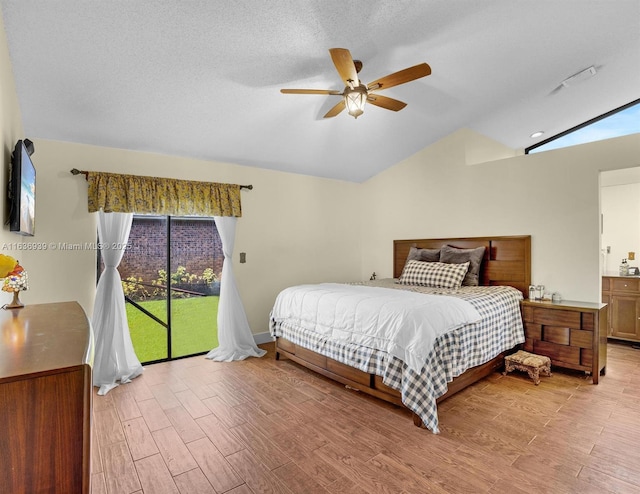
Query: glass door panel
x=196, y=263
x=149, y=337
x=144, y=278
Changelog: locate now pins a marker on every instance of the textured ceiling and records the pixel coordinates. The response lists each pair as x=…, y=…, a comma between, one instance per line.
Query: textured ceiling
x=201, y=78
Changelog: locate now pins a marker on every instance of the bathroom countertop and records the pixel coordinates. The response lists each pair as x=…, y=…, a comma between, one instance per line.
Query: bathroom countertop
x=615, y=274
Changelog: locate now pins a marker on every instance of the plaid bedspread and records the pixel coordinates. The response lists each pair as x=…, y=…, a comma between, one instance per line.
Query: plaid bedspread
x=453, y=353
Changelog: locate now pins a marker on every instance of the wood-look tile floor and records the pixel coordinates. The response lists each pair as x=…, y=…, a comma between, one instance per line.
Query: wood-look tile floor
x=194, y=426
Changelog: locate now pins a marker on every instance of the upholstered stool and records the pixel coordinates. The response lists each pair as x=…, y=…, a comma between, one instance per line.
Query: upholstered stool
x=530, y=363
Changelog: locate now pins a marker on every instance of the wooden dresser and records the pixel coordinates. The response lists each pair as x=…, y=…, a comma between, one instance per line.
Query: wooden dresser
x=46, y=353
x=571, y=333
x=622, y=293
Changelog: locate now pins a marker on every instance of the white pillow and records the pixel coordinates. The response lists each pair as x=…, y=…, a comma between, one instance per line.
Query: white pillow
x=433, y=274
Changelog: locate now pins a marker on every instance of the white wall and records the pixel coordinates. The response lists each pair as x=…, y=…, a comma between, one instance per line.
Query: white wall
x=553, y=196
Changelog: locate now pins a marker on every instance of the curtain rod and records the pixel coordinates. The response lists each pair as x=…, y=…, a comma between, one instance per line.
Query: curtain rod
x=75, y=171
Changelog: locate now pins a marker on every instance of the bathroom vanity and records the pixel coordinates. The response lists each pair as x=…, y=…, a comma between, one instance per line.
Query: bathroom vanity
x=622, y=294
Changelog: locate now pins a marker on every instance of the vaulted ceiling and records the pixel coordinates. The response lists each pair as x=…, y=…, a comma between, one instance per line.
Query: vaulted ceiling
x=201, y=78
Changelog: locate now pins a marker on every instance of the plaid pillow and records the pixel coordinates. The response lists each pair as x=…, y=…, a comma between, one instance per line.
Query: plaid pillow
x=433, y=274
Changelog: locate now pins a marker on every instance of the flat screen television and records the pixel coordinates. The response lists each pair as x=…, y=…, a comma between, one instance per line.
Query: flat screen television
x=22, y=191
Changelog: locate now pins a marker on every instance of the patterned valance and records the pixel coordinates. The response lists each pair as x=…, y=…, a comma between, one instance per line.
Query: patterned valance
x=116, y=193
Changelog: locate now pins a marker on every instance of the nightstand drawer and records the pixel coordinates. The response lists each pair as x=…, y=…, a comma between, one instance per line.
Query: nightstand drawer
x=557, y=353
x=558, y=335
x=561, y=318
x=588, y=321
x=586, y=357
x=582, y=339
x=533, y=331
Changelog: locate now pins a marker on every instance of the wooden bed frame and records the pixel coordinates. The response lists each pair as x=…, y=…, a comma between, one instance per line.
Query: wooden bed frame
x=507, y=261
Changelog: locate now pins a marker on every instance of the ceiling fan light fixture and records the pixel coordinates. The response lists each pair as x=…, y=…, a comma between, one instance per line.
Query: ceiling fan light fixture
x=355, y=94
x=355, y=99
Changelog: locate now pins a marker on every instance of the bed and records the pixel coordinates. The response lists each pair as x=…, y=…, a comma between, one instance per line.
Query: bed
x=455, y=358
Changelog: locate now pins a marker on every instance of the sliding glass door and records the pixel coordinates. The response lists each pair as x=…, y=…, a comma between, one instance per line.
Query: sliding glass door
x=171, y=278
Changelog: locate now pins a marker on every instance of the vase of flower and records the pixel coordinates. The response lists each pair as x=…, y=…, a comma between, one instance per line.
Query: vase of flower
x=15, y=280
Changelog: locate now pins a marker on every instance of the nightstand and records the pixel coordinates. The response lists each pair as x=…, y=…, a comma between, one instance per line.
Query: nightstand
x=572, y=334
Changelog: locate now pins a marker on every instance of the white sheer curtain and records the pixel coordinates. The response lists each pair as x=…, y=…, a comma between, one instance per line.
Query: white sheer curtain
x=235, y=340
x=115, y=359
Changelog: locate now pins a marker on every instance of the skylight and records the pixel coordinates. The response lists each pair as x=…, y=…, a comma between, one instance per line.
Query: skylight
x=620, y=122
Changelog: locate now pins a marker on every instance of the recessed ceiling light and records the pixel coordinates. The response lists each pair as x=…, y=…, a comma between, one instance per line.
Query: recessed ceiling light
x=536, y=134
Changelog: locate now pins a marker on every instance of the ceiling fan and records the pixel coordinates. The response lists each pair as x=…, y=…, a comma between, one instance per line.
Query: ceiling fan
x=356, y=94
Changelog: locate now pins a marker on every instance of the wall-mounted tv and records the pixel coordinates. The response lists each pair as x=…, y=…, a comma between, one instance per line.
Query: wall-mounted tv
x=22, y=190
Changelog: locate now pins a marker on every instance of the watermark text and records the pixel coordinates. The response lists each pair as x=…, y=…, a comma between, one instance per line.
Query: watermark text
x=41, y=246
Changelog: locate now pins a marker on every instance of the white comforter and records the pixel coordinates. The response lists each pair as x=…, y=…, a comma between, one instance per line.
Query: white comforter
x=403, y=324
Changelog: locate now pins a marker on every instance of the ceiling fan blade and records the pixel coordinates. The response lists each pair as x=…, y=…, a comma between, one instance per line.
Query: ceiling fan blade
x=400, y=77
x=335, y=110
x=346, y=68
x=310, y=91
x=384, y=102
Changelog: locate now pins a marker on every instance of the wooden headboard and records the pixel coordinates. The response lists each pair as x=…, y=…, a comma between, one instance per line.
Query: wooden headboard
x=507, y=260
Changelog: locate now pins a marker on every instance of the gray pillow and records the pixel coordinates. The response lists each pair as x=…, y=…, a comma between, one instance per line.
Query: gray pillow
x=425, y=255
x=458, y=256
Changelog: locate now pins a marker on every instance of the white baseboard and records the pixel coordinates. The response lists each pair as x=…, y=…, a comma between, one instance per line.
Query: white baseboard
x=261, y=338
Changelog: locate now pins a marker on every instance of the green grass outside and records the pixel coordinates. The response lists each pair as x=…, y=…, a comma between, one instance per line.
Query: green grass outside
x=194, y=327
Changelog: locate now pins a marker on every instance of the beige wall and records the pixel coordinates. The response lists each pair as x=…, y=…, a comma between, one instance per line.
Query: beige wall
x=620, y=206
x=299, y=229
x=10, y=132
x=553, y=196
x=294, y=229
